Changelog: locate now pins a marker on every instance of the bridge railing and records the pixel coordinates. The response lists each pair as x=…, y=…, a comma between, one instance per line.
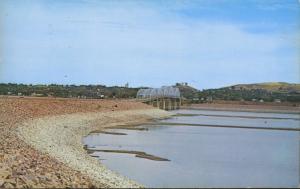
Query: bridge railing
x=163, y=92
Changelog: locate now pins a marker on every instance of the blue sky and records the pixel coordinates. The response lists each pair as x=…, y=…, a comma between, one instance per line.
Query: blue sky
x=206, y=43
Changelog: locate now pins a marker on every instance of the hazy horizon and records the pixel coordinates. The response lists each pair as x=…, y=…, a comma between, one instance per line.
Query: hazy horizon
x=209, y=44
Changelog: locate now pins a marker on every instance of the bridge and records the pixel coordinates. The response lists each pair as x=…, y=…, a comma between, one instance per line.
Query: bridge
x=166, y=98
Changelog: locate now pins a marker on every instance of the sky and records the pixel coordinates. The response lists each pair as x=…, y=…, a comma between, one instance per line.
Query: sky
x=207, y=43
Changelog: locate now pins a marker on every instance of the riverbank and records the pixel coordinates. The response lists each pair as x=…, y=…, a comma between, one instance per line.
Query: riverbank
x=22, y=165
x=245, y=108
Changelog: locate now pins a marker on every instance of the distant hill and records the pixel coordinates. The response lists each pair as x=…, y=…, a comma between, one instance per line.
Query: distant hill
x=187, y=91
x=270, y=86
x=269, y=92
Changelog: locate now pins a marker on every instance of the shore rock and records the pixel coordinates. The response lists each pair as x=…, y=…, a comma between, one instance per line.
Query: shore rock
x=23, y=166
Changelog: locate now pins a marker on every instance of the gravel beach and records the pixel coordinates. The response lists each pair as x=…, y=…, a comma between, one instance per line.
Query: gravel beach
x=60, y=137
x=26, y=160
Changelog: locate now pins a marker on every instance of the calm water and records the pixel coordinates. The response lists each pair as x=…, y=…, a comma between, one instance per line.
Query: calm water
x=206, y=156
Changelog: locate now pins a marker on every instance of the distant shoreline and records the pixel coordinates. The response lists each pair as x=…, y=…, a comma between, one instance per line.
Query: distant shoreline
x=244, y=108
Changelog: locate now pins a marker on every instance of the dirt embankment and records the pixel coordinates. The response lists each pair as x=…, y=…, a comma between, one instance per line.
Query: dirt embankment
x=23, y=166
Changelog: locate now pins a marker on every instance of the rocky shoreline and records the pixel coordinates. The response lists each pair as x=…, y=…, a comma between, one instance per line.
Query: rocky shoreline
x=61, y=136
x=21, y=165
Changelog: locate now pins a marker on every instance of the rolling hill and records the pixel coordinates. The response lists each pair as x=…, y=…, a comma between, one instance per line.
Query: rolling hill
x=270, y=86
x=187, y=91
x=269, y=92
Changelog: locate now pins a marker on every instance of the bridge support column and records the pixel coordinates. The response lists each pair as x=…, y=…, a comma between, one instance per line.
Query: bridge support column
x=164, y=103
x=172, y=104
x=167, y=104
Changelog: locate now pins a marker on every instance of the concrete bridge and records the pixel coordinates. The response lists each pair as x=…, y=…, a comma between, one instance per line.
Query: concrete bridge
x=166, y=98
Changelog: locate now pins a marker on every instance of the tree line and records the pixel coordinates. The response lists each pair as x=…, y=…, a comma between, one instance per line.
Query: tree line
x=250, y=95
x=68, y=91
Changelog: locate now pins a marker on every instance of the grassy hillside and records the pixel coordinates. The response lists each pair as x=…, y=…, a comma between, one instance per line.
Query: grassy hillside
x=187, y=91
x=271, y=86
x=267, y=92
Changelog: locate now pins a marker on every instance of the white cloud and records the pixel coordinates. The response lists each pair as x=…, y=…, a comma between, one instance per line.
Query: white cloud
x=114, y=45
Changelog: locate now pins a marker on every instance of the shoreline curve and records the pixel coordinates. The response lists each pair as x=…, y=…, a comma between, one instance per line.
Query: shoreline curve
x=61, y=138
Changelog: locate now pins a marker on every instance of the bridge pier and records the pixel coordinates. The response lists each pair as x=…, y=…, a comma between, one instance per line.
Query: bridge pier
x=177, y=103
x=165, y=103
